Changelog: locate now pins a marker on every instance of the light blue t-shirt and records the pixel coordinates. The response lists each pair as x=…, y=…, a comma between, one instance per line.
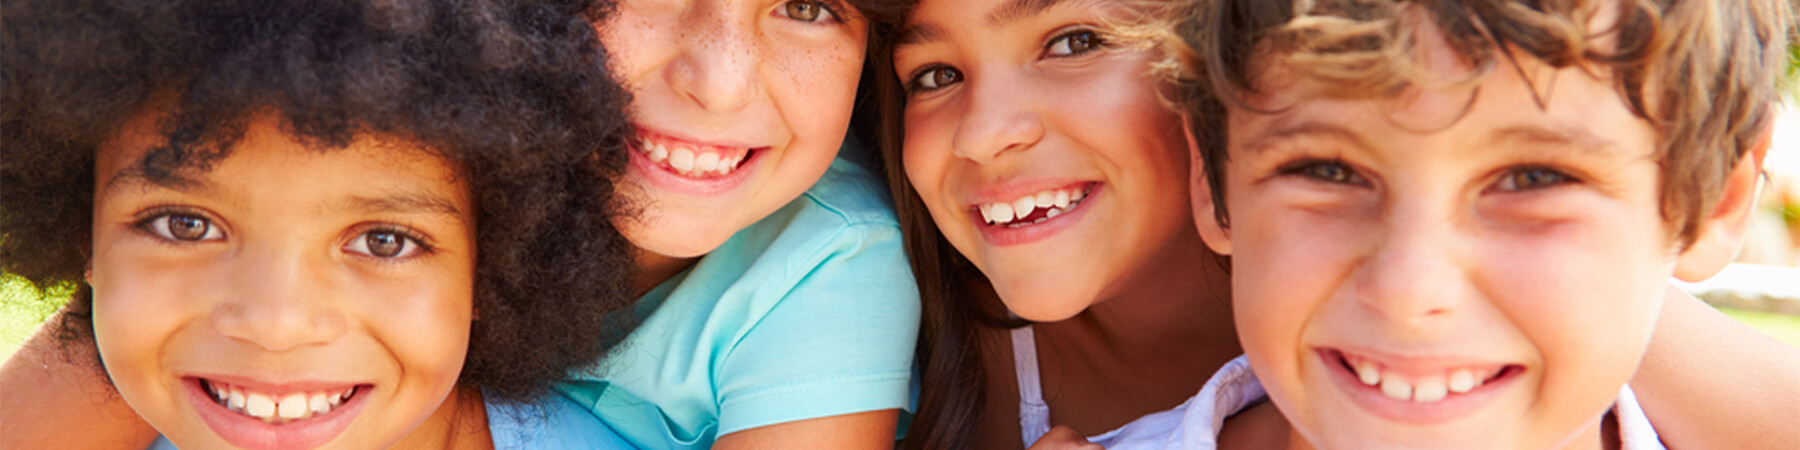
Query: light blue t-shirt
x=810, y=312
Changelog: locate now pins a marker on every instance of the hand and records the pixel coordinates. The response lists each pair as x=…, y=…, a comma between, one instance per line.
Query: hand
x=1064, y=438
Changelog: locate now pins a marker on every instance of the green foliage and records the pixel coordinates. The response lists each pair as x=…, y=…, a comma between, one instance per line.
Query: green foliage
x=23, y=308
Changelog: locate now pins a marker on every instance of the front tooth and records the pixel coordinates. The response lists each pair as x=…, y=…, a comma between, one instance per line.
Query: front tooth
x=1003, y=212
x=706, y=162
x=1061, y=200
x=292, y=406
x=259, y=405
x=1368, y=373
x=1044, y=199
x=681, y=159
x=317, y=403
x=1396, y=388
x=1430, y=390
x=1023, y=206
x=659, y=153
x=1462, y=380
x=235, y=399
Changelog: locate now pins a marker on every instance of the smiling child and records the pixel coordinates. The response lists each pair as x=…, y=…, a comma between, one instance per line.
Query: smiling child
x=320, y=224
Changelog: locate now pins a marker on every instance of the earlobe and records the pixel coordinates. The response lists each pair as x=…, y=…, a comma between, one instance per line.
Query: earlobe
x=1206, y=221
x=1721, y=233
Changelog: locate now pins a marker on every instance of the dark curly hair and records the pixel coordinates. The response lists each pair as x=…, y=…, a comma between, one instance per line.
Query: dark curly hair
x=513, y=93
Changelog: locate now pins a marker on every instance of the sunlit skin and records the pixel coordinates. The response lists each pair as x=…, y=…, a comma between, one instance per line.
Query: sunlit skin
x=1407, y=232
x=1008, y=99
x=1000, y=109
x=775, y=78
x=284, y=266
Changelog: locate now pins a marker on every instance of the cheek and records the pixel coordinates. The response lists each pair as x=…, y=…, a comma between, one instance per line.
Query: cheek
x=815, y=87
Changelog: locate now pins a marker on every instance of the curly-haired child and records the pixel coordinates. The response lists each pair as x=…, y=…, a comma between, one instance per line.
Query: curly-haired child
x=316, y=223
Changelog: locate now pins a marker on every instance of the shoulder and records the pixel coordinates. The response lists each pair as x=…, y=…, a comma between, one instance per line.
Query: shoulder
x=550, y=422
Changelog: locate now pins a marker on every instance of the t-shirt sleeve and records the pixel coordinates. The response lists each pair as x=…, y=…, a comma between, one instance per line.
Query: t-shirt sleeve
x=839, y=342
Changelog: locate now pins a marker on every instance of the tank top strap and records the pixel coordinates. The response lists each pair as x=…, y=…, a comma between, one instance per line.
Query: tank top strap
x=1034, y=414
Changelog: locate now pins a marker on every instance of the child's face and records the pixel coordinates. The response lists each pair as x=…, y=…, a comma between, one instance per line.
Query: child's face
x=1042, y=151
x=1410, y=275
x=285, y=277
x=740, y=105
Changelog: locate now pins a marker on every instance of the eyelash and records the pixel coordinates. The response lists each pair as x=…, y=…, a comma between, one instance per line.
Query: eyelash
x=413, y=245
x=1097, y=41
x=1510, y=176
x=1308, y=169
x=833, y=8
x=147, y=222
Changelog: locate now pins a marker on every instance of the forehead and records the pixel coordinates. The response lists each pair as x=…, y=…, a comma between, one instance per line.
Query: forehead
x=931, y=21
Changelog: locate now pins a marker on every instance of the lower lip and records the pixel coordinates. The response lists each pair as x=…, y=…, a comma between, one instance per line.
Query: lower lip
x=252, y=433
x=1450, y=408
x=1005, y=236
x=666, y=179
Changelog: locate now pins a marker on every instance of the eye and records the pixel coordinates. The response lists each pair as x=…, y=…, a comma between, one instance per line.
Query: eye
x=385, y=243
x=1074, y=43
x=934, y=78
x=1326, y=171
x=182, y=227
x=1530, y=178
x=810, y=11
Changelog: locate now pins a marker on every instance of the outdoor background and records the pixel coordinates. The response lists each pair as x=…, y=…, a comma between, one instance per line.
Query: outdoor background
x=1763, y=289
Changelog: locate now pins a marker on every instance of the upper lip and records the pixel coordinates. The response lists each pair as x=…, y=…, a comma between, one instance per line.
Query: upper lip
x=261, y=383
x=667, y=134
x=1010, y=191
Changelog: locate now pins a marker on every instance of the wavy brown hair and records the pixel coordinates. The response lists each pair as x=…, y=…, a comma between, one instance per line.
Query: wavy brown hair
x=1705, y=74
x=513, y=93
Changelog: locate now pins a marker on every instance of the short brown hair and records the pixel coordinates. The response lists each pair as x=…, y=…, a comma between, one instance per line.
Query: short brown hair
x=1704, y=73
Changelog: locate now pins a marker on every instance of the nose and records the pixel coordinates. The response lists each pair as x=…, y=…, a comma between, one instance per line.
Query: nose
x=278, y=301
x=717, y=64
x=1415, y=272
x=998, y=117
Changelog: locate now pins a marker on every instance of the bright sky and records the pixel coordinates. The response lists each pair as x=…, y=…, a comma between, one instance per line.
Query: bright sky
x=1784, y=154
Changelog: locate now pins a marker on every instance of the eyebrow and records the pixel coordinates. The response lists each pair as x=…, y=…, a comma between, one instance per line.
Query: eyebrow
x=1009, y=12
x=1289, y=128
x=1566, y=137
x=135, y=176
x=406, y=202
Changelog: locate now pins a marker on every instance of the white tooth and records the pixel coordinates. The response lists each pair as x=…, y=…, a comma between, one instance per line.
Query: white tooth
x=706, y=162
x=659, y=154
x=292, y=406
x=218, y=392
x=681, y=159
x=317, y=403
x=724, y=168
x=1053, y=213
x=235, y=399
x=1077, y=195
x=1023, y=206
x=259, y=405
x=1061, y=200
x=1003, y=212
x=1462, y=380
x=1044, y=199
x=985, y=215
x=1396, y=388
x=1430, y=390
x=1368, y=373
x=1040, y=220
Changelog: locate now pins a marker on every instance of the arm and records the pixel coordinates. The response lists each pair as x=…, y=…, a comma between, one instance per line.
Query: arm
x=864, y=430
x=54, y=398
x=1709, y=381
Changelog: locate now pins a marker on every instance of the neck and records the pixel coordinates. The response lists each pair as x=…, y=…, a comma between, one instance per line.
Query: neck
x=1179, y=305
x=652, y=269
x=460, y=422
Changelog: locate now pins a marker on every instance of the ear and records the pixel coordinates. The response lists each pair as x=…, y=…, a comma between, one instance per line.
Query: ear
x=1206, y=221
x=1721, y=232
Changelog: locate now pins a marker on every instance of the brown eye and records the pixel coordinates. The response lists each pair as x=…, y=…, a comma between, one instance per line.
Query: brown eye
x=935, y=78
x=1533, y=178
x=385, y=244
x=1075, y=43
x=182, y=227
x=804, y=10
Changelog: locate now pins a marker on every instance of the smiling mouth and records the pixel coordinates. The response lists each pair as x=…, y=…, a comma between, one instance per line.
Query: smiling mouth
x=1430, y=387
x=1035, y=208
x=690, y=159
x=278, y=408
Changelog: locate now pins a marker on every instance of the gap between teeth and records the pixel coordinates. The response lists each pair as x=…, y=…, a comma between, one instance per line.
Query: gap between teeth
x=277, y=408
x=688, y=162
x=1422, y=390
x=1055, y=202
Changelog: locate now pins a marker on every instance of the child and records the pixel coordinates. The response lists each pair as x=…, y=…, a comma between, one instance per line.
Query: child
x=774, y=303
x=1451, y=223
x=300, y=224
